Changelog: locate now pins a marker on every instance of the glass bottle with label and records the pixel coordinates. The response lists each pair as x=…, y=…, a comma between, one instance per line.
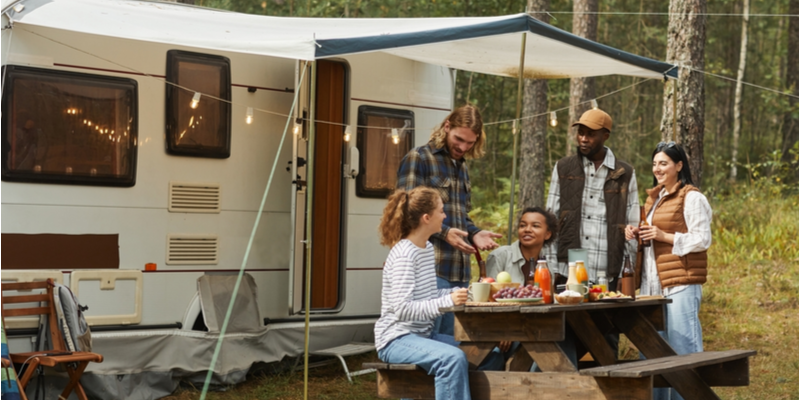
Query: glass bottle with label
x=542, y=278
x=628, y=281
x=643, y=222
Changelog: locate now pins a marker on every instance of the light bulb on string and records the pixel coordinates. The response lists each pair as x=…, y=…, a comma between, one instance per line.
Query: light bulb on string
x=553, y=119
x=348, y=132
x=395, y=136
x=296, y=128
x=249, y=118
x=594, y=104
x=195, y=99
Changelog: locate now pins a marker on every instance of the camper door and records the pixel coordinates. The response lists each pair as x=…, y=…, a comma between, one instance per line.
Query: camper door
x=328, y=203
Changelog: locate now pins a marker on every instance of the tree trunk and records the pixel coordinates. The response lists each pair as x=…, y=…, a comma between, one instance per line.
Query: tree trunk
x=737, y=102
x=790, y=118
x=534, y=131
x=584, y=24
x=686, y=38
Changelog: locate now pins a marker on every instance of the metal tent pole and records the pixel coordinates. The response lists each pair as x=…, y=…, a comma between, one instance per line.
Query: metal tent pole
x=309, y=213
x=514, y=130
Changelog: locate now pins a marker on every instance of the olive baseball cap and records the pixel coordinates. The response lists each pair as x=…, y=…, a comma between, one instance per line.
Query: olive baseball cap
x=595, y=119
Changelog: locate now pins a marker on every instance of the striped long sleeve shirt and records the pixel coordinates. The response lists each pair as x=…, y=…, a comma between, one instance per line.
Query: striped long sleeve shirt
x=409, y=299
x=428, y=166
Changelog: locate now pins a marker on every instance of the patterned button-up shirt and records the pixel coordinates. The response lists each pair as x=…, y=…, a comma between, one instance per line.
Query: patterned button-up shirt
x=594, y=228
x=432, y=167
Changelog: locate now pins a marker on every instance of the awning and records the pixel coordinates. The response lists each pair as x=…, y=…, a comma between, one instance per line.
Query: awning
x=489, y=45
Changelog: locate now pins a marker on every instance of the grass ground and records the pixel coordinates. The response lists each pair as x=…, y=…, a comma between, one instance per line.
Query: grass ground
x=749, y=302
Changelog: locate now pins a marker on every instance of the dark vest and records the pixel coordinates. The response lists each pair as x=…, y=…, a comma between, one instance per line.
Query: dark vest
x=571, y=181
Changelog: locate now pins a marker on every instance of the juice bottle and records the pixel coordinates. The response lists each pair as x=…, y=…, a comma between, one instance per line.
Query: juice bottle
x=582, y=276
x=542, y=277
x=602, y=281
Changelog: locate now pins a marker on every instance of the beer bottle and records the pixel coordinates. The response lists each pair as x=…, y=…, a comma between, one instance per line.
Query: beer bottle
x=643, y=222
x=628, y=281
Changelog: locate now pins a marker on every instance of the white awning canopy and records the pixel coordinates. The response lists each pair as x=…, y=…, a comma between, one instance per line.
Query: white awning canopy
x=489, y=45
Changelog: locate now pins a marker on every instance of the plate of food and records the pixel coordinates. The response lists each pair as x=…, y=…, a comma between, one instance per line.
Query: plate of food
x=521, y=300
x=614, y=297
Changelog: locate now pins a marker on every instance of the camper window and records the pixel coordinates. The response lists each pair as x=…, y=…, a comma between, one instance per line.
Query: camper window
x=385, y=135
x=65, y=127
x=198, y=122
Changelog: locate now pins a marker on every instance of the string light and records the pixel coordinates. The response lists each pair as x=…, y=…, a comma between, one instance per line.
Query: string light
x=296, y=128
x=347, y=133
x=195, y=99
x=553, y=119
x=249, y=118
x=395, y=136
x=594, y=104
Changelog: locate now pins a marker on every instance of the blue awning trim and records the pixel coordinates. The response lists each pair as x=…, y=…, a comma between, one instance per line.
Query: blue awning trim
x=551, y=32
x=334, y=47
x=520, y=23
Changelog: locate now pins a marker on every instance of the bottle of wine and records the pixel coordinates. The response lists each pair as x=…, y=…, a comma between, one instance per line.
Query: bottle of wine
x=643, y=222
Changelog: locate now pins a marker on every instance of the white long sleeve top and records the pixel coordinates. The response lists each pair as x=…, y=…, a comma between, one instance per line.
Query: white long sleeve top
x=409, y=299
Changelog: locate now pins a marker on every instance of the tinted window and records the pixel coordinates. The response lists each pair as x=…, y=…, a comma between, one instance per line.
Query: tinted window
x=205, y=129
x=381, y=148
x=64, y=127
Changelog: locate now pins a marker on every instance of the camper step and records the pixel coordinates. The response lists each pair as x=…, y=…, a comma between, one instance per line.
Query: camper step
x=349, y=349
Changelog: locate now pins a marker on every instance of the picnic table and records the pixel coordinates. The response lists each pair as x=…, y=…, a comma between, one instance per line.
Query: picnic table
x=538, y=328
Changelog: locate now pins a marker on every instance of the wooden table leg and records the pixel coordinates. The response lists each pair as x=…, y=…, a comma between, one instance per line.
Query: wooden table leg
x=645, y=337
x=476, y=352
x=520, y=361
x=591, y=336
x=549, y=356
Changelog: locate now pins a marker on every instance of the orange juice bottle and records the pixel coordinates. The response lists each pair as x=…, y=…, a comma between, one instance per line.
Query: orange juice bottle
x=583, y=277
x=542, y=278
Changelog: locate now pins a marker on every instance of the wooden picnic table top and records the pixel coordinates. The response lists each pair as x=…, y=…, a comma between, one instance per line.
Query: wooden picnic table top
x=554, y=308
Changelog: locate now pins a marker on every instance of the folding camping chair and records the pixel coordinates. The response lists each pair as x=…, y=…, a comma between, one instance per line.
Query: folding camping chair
x=73, y=362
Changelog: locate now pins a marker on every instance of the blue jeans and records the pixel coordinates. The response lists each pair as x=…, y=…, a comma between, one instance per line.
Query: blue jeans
x=440, y=357
x=445, y=323
x=683, y=332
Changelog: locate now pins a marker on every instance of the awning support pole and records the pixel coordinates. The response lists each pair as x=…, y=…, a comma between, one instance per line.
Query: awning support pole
x=516, y=126
x=312, y=134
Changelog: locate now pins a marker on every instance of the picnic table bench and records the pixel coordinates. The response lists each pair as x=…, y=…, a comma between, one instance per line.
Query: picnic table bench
x=539, y=327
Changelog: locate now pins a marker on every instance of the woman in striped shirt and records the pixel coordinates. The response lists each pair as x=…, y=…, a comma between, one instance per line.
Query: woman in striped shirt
x=410, y=301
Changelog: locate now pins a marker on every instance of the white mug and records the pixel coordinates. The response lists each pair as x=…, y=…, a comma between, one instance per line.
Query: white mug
x=480, y=291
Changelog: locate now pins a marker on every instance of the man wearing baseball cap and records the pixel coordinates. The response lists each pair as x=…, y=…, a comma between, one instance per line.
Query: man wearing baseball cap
x=594, y=195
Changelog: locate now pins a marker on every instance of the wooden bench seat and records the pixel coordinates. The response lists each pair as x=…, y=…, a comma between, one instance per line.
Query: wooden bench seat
x=397, y=367
x=709, y=365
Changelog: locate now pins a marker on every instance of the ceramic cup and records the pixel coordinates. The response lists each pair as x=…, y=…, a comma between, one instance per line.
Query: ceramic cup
x=480, y=291
x=577, y=287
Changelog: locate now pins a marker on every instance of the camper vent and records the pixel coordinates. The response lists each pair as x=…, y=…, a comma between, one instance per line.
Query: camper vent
x=194, y=197
x=192, y=249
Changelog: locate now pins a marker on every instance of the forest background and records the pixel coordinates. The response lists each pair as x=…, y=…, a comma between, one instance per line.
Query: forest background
x=751, y=298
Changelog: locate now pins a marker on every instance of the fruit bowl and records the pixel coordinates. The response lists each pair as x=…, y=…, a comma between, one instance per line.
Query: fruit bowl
x=566, y=300
x=496, y=287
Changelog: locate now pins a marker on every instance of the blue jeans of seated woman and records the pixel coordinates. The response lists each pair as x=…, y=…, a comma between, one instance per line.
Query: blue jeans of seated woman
x=683, y=330
x=439, y=356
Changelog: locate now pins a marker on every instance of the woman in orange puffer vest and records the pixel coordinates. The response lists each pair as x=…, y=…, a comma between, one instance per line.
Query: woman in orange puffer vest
x=675, y=266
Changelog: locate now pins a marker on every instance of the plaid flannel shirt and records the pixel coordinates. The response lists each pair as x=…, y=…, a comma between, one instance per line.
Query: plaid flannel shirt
x=432, y=167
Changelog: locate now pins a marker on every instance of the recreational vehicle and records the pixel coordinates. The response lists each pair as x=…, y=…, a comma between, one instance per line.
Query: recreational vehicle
x=151, y=151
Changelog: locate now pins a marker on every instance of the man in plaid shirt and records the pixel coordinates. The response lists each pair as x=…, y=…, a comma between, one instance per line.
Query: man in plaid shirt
x=440, y=164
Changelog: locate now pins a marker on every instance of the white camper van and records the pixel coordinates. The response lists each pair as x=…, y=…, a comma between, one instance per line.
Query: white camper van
x=139, y=139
